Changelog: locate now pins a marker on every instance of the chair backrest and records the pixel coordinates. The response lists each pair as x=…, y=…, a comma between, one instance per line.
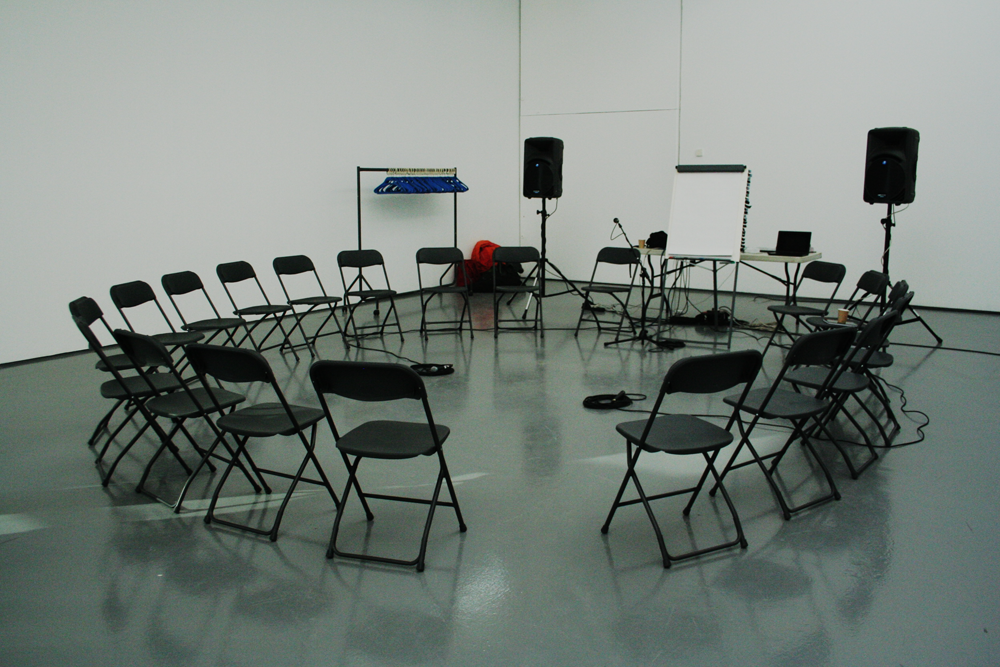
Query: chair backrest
x=873, y=283
x=236, y=272
x=439, y=256
x=898, y=290
x=294, y=265
x=515, y=255
x=85, y=312
x=229, y=364
x=867, y=296
x=182, y=282
x=134, y=294
x=185, y=282
x=443, y=257
x=820, y=348
x=367, y=381
x=359, y=259
x=822, y=272
x=143, y=350
x=239, y=366
x=708, y=374
x=618, y=255
x=712, y=373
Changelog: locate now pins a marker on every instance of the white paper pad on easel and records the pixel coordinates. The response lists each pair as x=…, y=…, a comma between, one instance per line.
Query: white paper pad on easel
x=706, y=212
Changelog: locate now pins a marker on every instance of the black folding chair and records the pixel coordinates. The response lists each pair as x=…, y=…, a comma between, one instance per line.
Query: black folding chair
x=86, y=312
x=517, y=256
x=866, y=300
x=871, y=363
x=446, y=261
x=295, y=268
x=849, y=383
x=241, y=276
x=820, y=348
x=135, y=295
x=363, y=289
x=187, y=284
x=185, y=403
x=685, y=435
x=817, y=271
x=261, y=420
x=130, y=391
x=621, y=293
x=383, y=439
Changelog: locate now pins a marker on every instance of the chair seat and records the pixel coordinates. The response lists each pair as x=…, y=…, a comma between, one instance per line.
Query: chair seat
x=607, y=289
x=677, y=434
x=181, y=405
x=796, y=311
x=315, y=301
x=117, y=361
x=371, y=294
x=263, y=309
x=878, y=359
x=784, y=404
x=391, y=440
x=267, y=419
x=446, y=289
x=814, y=377
x=179, y=337
x=516, y=289
x=215, y=323
x=135, y=385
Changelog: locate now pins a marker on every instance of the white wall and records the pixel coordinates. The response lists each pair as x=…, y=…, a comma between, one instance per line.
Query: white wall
x=140, y=138
x=603, y=77
x=789, y=89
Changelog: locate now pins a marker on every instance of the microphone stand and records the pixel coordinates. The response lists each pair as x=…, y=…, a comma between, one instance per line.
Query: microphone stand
x=643, y=334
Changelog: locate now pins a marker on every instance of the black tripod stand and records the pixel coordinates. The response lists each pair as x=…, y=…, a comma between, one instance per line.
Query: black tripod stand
x=643, y=334
x=888, y=223
x=547, y=264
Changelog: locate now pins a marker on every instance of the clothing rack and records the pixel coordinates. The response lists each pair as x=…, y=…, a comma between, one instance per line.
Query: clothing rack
x=416, y=181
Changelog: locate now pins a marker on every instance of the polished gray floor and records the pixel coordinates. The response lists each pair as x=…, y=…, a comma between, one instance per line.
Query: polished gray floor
x=902, y=571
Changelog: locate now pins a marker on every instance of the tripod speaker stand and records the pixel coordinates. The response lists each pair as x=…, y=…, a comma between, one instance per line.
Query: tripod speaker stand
x=888, y=223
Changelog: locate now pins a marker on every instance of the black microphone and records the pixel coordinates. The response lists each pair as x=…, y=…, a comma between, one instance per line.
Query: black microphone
x=616, y=221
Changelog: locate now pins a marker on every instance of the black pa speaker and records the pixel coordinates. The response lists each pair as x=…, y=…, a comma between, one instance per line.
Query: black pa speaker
x=891, y=165
x=543, y=158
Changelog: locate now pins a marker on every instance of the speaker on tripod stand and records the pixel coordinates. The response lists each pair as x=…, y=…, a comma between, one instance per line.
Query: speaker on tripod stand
x=891, y=165
x=890, y=179
x=543, y=158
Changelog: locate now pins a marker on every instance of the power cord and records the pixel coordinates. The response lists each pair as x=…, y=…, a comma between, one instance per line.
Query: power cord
x=612, y=401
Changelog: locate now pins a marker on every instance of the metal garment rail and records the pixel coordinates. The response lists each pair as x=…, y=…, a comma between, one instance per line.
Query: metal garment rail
x=387, y=170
